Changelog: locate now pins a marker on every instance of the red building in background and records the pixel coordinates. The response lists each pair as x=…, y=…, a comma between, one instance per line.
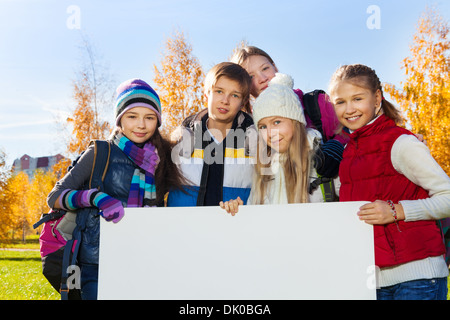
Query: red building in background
x=29, y=164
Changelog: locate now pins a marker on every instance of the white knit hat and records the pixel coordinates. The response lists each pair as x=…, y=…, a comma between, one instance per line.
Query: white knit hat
x=278, y=99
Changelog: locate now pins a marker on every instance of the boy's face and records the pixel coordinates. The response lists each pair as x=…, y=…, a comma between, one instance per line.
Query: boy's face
x=225, y=99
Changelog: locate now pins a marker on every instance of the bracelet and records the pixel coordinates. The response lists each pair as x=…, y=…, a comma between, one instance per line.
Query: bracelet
x=394, y=213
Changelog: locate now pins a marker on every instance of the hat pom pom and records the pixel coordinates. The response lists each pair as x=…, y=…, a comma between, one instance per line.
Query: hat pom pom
x=282, y=79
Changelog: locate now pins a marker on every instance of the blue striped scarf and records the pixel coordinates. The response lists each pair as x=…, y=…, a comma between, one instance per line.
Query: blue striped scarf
x=143, y=187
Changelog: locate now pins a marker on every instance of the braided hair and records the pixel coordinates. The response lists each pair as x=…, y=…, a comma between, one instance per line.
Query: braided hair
x=365, y=77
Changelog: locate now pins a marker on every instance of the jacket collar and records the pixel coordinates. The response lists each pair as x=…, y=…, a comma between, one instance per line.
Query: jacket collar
x=379, y=124
x=242, y=120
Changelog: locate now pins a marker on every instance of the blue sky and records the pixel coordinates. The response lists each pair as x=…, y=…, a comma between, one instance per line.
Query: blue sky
x=39, y=54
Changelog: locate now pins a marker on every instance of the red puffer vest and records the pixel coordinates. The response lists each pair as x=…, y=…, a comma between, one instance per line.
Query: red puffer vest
x=367, y=174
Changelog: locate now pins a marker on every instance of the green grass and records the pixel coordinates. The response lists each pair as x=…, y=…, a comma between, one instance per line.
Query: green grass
x=21, y=277
x=31, y=242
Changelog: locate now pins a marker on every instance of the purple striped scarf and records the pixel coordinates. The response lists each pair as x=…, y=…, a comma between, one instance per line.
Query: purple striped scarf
x=143, y=187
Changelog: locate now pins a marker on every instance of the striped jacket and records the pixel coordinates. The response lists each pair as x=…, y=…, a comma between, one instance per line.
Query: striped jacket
x=215, y=171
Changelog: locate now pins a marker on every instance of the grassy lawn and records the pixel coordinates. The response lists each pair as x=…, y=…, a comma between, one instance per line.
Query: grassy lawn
x=21, y=277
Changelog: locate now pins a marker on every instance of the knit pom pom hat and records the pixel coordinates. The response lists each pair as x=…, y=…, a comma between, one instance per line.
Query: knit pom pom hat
x=136, y=93
x=279, y=99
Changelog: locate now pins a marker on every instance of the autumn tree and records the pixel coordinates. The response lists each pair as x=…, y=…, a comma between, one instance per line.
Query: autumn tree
x=23, y=200
x=15, y=205
x=5, y=172
x=178, y=82
x=36, y=198
x=60, y=168
x=5, y=219
x=91, y=93
x=425, y=95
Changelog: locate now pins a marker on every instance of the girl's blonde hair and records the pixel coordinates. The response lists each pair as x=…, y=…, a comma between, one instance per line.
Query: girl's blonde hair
x=296, y=167
x=364, y=77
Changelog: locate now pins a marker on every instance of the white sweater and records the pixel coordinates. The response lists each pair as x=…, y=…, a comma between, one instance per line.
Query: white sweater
x=412, y=158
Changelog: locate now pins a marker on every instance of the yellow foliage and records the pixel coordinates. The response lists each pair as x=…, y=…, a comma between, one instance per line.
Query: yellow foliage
x=15, y=208
x=36, y=198
x=23, y=200
x=85, y=118
x=60, y=168
x=425, y=95
x=178, y=82
x=5, y=219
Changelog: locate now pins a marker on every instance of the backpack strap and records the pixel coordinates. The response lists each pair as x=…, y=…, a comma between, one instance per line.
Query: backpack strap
x=328, y=191
x=312, y=109
x=101, y=163
x=69, y=259
x=99, y=169
x=52, y=215
x=326, y=186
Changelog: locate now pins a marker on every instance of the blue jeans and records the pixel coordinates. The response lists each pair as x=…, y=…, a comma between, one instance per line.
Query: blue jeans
x=424, y=289
x=89, y=281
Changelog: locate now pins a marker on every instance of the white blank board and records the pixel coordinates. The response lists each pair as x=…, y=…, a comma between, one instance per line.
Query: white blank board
x=271, y=252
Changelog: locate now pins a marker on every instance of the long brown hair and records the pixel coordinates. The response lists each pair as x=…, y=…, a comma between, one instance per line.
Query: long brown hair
x=364, y=77
x=167, y=175
x=296, y=166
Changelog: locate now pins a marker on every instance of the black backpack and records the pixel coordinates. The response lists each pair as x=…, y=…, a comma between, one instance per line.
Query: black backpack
x=60, y=236
x=312, y=109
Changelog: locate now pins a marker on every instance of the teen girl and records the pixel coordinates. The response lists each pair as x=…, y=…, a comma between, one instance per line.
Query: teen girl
x=283, y=169
x=262, y=70
x=388, y=166
x=140, y=172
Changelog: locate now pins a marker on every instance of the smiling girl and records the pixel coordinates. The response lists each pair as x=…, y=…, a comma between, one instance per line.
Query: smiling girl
x=408, y=191
x=283, y=169
x=262, y=69
x=140, y=172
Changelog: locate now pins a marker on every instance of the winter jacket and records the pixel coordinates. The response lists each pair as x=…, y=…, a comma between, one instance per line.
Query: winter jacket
x=117, y=184
x=215, y=171
x=367, y=174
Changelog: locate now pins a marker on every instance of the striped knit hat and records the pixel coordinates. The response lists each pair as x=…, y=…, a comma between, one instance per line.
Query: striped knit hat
x=136, y=93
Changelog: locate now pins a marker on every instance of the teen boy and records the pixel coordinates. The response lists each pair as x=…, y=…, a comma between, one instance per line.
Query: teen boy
x=216, y=148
